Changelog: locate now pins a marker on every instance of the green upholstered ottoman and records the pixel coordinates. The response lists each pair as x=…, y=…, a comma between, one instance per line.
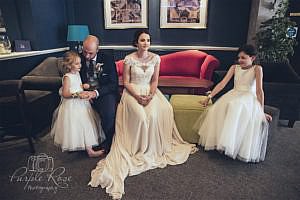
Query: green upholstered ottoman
x=187, y=110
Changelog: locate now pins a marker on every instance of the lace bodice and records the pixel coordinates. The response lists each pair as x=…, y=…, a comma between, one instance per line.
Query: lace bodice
x=244, y=79
x=141, y=73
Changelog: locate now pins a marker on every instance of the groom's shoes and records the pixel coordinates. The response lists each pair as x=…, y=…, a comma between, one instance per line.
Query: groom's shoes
x=100, y=147
x=97, y=148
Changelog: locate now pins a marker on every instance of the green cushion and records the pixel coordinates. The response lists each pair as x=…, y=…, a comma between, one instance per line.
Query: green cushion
x=187, y=109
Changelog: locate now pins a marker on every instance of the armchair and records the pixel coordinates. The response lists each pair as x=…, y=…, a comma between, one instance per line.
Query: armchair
x=13, y=121
x=41, y=87
x=46, y=76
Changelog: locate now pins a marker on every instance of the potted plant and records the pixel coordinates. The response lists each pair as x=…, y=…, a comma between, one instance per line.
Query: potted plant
x=275, y=46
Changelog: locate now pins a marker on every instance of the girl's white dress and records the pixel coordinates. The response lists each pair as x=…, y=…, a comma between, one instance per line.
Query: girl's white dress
x=145, y=138
x=75, y=124
x=236, y=123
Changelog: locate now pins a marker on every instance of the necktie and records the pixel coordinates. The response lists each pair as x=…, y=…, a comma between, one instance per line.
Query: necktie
x=91, y=69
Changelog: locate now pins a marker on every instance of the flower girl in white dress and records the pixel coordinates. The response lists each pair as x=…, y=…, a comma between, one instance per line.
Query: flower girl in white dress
x=75, y=125
x=236, y=123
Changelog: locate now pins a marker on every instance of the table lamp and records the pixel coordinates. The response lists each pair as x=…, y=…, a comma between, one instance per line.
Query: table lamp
x=77, y=33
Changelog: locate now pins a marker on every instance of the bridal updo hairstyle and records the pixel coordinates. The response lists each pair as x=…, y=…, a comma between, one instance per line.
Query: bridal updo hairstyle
x=137, y=35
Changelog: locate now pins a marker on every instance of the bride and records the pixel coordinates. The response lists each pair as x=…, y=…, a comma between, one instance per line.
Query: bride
x=146, y=135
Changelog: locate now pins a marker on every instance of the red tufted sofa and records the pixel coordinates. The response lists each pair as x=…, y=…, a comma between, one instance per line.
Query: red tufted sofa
x=183, y=67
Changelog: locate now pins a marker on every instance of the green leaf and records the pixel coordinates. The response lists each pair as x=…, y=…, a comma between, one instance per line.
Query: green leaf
x=271, y=39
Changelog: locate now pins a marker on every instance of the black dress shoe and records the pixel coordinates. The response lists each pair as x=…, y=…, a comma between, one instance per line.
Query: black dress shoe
x=97, y=148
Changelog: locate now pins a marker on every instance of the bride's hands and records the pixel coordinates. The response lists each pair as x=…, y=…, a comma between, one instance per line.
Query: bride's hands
x=144, y=100
x=148, y=98
x=140, y=99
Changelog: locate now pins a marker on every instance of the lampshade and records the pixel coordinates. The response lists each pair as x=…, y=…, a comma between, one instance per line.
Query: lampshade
x=77, y=32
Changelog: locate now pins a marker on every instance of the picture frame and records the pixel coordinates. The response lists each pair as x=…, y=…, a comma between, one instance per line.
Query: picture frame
x=183, y=14
x=22, y=45
x=124, y=14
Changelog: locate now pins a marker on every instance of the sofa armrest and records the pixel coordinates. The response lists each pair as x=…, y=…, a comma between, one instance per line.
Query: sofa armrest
x=209, y=65
x=45, y=83
x=9, y=88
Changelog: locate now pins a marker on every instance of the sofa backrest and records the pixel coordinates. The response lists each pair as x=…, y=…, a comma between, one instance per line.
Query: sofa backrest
x=51, y=66
x=182, y=63
x=189, y=63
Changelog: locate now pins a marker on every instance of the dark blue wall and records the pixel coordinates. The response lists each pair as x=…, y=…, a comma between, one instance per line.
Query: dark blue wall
x=227, y=24
x=50, y=19
x=44, y=23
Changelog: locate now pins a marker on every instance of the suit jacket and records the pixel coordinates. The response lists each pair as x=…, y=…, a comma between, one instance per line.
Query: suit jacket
x=108, y=77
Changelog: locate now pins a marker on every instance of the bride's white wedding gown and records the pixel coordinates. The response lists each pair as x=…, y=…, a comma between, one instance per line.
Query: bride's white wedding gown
x=145, y=138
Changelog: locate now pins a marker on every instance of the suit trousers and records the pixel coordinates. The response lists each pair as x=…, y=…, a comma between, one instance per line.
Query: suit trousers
x=106, y=107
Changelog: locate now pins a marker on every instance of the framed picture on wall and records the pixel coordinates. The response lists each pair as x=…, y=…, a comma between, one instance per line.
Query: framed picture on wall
x=22, y=45
x=183, y=14
x=123, y=14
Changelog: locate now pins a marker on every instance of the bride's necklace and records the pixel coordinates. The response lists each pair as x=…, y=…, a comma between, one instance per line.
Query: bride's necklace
x=143, y=59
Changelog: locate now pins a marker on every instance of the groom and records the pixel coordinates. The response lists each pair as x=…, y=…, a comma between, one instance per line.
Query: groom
x=99, y=71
